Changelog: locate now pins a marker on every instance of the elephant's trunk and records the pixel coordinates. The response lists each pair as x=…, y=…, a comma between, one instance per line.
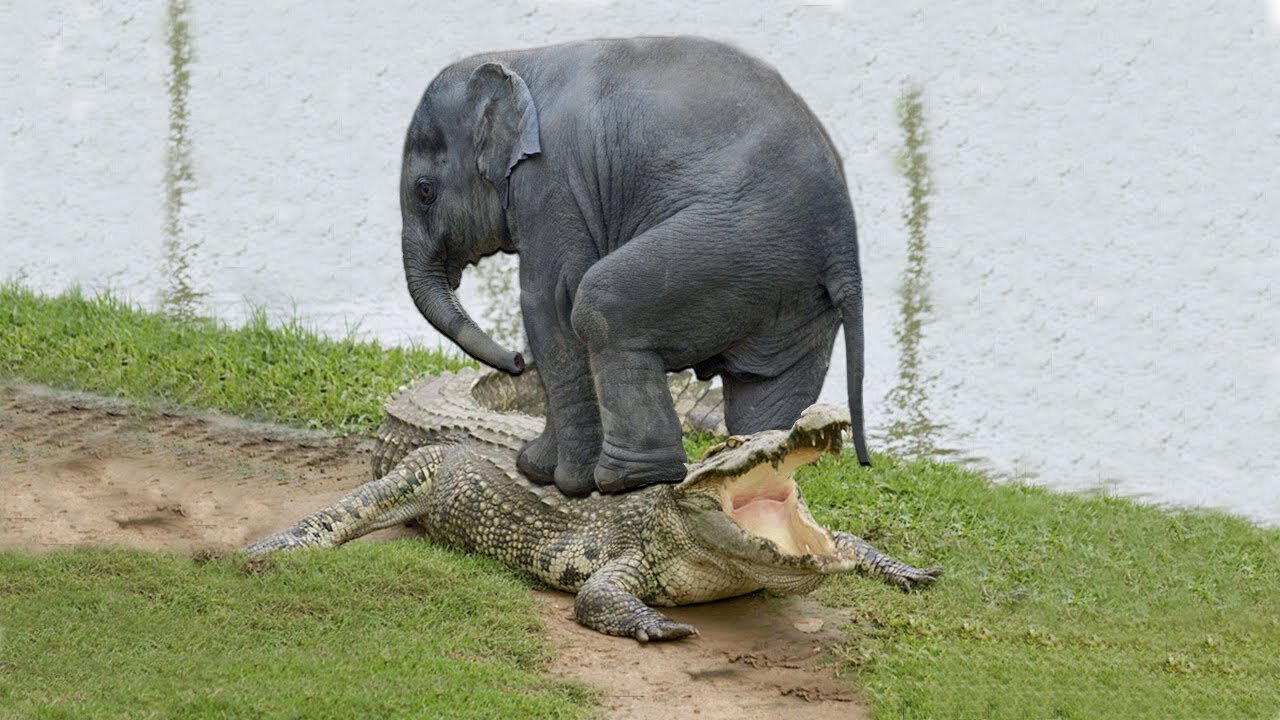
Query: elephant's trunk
x=429, y=287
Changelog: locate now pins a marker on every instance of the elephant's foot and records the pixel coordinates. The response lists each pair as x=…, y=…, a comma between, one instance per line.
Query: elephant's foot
x=621, y=470
x=576, y=460
x=537, y=460
x=574, y=480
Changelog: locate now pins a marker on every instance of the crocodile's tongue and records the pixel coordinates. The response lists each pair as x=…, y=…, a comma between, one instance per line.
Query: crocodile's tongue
x=765, y=502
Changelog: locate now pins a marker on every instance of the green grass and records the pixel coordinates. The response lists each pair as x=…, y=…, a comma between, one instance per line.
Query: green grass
x=396, y=630
x=286, y=374
x=1053, y=605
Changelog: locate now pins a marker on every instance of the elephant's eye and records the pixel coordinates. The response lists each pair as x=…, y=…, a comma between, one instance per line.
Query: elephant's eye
x=426, y=191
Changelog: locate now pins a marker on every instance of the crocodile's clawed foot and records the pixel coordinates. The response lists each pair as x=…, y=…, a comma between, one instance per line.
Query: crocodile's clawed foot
x=877, y=564
x=661, y=627
x=910, y=578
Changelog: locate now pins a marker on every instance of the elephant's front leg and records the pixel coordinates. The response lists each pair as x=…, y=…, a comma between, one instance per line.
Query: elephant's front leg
x=641, y=444
x=567, y=450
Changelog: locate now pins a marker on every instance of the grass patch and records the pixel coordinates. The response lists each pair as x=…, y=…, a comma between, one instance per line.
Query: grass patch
x=393, y=630
x=1053, y=606
x=400, y=629
x=286, y=374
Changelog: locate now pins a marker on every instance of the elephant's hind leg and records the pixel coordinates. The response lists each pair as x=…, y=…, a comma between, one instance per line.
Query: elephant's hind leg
x=669, y=298
x=754, y=405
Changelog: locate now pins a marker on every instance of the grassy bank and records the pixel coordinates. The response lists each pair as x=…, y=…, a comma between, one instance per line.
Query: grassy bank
x=284, y=374
x=396, y=630
x=1054, y=606
x=399, y=630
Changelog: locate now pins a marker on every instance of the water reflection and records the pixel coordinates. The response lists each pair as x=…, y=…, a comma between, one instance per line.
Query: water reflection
x=911, y=432
x=179, y=297
x=500, y=290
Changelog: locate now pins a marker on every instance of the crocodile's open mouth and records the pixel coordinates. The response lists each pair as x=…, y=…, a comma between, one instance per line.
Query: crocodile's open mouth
x=745, y=496
x=765, y=502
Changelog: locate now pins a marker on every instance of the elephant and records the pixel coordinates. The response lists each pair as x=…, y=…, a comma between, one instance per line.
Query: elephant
x=674, y=204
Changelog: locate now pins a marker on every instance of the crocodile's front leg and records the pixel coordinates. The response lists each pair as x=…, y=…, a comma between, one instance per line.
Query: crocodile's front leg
x=607, y=603
x=873, y=563
x=394, y=498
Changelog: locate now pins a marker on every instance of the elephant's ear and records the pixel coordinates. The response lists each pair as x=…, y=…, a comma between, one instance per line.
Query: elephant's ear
x=506, y=129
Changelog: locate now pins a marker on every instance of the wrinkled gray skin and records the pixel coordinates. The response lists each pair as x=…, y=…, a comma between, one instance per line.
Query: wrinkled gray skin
x=674, y=205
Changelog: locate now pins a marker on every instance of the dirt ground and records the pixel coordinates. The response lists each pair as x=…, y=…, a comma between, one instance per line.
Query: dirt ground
x=77, y=470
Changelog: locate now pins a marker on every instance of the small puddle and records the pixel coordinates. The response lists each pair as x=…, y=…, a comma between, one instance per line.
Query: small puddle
x=179, y=297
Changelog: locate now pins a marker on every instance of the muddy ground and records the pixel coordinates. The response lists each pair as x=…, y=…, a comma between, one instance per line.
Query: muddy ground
x=77, y=470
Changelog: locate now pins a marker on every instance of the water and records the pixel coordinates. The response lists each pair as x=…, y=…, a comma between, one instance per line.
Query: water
x=1089, y=299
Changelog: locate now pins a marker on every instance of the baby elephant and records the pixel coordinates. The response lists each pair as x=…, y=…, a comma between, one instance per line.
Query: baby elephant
x=674, y=204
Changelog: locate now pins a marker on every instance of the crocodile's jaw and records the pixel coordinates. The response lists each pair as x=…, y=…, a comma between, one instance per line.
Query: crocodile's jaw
x=765, y=503
x=743, y=507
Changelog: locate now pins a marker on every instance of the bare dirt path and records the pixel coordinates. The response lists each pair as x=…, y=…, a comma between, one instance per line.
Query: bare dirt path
x=76, y=470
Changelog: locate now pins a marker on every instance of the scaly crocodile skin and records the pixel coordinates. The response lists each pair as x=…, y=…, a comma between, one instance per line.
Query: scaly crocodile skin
x=445, y=457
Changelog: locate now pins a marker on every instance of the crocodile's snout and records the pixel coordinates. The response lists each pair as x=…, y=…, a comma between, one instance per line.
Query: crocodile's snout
x=743, y=501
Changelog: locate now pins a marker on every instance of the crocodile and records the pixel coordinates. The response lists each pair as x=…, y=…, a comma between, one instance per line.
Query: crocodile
x=445, y=458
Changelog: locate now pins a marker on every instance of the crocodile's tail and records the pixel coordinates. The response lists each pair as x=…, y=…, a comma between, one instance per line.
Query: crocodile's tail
x=397, y=497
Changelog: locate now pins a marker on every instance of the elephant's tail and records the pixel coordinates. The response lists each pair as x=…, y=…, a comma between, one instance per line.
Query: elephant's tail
x=848, y=297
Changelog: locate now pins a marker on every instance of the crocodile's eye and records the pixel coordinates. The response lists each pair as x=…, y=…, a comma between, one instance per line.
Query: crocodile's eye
x=729, y=443
x=426, y=191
